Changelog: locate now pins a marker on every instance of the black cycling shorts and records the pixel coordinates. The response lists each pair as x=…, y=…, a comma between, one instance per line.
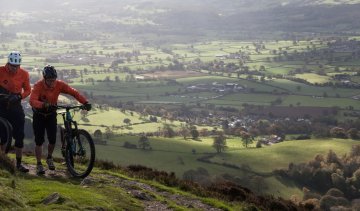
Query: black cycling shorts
x=15, y=115
x=42, y=123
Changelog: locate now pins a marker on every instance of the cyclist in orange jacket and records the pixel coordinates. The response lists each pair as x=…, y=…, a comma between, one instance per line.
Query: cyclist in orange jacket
x=43, y=100
x=14, y=83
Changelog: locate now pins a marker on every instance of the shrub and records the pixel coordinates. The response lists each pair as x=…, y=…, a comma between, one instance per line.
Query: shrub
x=232, y=191
x=107, y=165
x=355, y=180
x=315, y=164
x=303, y=137
x=341, y=201
x=311, y=204
x=353, y=133
x=189, y=175
x=335, y=192
x=168, y=131
x=322, y=179
x=200, y=176
x=356, y=204
x=153, y=119
x=319, y=158
x=98, y=133
x=310, y=195
x=258, y=144
x=144, y=142
x=338, y=181
x=338, y=132
x=194, y=133
x=351, y=166
x=129, y=145
x=355, y=150
x=332, y=157
x=277, y=205
x=326, y=202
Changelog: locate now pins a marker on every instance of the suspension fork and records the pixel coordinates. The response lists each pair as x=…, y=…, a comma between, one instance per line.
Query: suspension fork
x=71, y=133
x=67, y=132
x=77, y=147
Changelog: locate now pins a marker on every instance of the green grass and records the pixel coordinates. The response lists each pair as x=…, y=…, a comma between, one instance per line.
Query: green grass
x=280, y=155
x=313, y=78
x=166, y=154
x=111, y=117
x=174, y=155
x=249, y=98
x=154, y=92
x=128, y=88
x=37, y=189
x=109, y=189
x=205, y=79
x=26, y=192
x=311, y=90
x=267, y=159
x=98, y=119
x=320, y=102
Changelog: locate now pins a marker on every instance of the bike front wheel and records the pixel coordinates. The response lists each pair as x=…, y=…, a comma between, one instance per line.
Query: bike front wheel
x=80, y=154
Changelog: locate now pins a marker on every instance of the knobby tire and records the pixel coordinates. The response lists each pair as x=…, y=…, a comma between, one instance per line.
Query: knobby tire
x=72, y=158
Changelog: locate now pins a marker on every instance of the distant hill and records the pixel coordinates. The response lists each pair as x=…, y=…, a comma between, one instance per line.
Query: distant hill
x=266, y=17
x=241, y=19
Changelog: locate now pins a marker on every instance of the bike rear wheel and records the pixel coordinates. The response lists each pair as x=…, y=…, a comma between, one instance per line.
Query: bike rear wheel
x=80, y=154
x=6, y=133
x=62, y=139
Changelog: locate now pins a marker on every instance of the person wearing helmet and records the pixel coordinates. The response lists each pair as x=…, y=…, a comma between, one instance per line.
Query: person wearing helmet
x=15, y=85
x=43, y=100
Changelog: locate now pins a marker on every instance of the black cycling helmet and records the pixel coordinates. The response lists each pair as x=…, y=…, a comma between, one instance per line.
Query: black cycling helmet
x=49, y=72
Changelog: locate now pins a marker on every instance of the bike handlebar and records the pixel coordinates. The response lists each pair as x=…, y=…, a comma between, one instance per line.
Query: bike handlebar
x=70, y=107
x=4, y=95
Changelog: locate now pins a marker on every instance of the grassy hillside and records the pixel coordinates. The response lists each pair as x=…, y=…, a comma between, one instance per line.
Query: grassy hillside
x=101, y=119
x=136, y=188
x=177, y=155
x=123, y=188
x=105, y=190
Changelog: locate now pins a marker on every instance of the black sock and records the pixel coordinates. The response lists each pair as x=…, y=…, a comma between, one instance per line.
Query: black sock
x=39, y=163
x=49, y=156
x=18, y=161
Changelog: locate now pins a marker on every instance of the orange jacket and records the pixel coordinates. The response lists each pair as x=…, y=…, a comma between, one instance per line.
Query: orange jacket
x=41, y=93
x=16, y=83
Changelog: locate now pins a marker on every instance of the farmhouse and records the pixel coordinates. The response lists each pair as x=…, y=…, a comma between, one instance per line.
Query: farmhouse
x=139, y=77
x=273, y=139
x=199, y=87
x=215, y=87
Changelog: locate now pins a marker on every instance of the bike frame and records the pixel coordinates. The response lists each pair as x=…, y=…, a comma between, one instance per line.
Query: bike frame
x=75, y=150
x=70, y=126
x=6, y=124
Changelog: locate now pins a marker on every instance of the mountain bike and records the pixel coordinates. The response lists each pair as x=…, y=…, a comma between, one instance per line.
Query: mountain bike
x=78, y=147
x=5, y=128
x=6, y=133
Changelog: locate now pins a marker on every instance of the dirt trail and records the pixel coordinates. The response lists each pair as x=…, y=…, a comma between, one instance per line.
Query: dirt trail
x=147, y=194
